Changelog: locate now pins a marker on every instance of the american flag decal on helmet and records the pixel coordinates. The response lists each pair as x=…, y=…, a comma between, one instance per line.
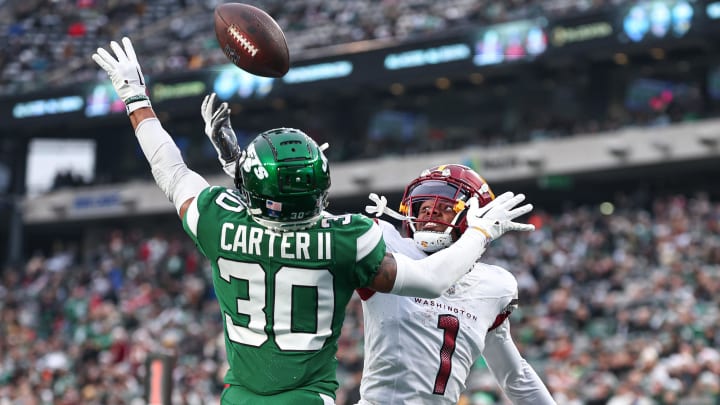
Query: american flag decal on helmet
x=274, y=208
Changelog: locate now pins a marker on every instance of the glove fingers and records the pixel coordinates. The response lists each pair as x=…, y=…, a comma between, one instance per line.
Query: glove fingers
x=520, y=211
x=105, y=56
x=203, y=107
x=208, y=104
x=516, y=226
x=514, y=201
x=221, y=117
x=221, y=112
x=496, y=202
x=119, y=53
x=211, y=100
x=102, y=62
x=502, y=198
x=129, y=50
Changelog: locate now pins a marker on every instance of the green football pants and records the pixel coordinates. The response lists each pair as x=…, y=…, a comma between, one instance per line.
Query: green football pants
x=236, y=395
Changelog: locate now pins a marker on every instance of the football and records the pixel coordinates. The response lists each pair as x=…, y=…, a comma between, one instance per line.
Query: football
x=252, y=39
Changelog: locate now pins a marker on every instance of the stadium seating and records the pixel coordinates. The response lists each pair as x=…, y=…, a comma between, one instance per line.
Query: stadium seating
x=49, y=42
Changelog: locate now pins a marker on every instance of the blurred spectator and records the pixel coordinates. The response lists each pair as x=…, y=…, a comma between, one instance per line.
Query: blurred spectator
x=64, y=179
x=48, y=43
x=180, y=34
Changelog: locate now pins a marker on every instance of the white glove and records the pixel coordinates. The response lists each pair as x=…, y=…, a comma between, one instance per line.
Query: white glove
x=495, y=218
x=125, y=74
x=219, y=129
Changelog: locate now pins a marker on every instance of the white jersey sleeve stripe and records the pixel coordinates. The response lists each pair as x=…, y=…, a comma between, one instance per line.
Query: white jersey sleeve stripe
x=192, y=216
x=367, y=242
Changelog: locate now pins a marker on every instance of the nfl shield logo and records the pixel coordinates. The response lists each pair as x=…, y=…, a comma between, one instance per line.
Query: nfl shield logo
x=273, y=208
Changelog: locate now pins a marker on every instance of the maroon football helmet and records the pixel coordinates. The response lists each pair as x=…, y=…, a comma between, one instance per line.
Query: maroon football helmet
x=443, y=188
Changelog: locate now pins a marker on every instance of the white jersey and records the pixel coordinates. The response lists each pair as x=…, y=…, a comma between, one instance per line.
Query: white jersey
x=420, y=351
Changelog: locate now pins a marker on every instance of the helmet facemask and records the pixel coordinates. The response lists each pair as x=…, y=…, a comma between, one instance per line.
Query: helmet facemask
x=435, y=208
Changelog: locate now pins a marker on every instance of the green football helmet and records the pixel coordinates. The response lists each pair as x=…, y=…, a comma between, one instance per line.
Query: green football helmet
x=285, y=179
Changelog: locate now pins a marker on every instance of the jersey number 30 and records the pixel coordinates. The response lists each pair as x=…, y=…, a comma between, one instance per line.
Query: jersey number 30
x=253, y=307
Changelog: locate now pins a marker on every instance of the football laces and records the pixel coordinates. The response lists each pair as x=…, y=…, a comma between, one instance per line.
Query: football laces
x=242, y=40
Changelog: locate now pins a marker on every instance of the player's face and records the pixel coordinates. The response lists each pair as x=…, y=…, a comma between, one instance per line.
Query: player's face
x=430, y=211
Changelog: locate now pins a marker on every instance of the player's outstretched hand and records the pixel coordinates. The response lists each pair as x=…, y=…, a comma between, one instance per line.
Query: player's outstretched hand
x=496, y=218
x=218, y=129
x=125, y=73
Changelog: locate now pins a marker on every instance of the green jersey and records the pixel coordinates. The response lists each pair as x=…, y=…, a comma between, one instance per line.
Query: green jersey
x=282, y=295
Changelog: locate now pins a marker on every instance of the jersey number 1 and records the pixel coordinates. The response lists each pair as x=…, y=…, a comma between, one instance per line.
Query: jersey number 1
x=451, y=325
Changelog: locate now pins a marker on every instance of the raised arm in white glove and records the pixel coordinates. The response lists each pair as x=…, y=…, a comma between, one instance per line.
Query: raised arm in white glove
x=219, y=129
x=496, y=218
x=125, y=74
x=171, y=174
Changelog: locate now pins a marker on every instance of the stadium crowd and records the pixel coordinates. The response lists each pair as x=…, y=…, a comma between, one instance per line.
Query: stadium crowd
x=616, y=307
x=47, y=42
x=172, y=35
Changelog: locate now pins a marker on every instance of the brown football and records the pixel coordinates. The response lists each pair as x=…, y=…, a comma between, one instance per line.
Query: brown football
x=252, y=39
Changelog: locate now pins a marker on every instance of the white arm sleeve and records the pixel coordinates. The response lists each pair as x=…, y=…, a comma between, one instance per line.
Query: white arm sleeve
x=429, y=277
x=168, y=168
x=516, y=377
